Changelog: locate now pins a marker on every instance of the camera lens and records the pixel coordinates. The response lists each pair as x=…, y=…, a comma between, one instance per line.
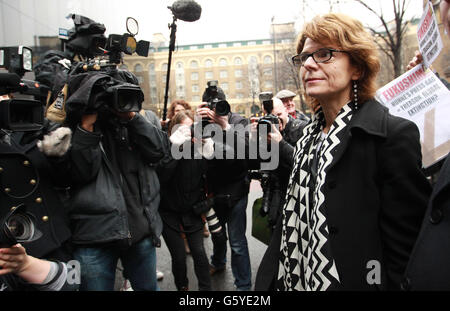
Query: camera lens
x=222, y=108
x=21, y=227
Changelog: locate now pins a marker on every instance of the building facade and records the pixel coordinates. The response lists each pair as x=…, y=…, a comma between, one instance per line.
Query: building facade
x=243, y=69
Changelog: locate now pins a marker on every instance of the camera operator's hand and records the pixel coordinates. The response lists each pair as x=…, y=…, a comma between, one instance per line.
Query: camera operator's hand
x=206, y=113
x=87, y=122
x=16, y=260
x=417, y=59
x=275, y=135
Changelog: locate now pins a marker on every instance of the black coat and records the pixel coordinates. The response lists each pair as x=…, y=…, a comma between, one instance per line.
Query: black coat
x=428, y=268
x=116, y=191
x=27, y=176
x=182, y=186
x=375, y=198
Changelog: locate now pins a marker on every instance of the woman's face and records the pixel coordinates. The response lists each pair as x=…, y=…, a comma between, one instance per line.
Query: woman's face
x=329, y=80
x=178, y=108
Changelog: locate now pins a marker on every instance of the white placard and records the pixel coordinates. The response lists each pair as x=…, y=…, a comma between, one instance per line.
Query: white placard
x=418, y=95
x=430, y=42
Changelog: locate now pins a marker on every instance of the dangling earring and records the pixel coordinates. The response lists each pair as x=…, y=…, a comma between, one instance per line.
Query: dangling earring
x=355, y=94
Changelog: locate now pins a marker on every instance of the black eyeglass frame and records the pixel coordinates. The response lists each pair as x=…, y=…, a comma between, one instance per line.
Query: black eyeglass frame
x=296, y=61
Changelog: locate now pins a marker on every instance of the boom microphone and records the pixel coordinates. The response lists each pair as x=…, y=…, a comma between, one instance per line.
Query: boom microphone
x=186, y=10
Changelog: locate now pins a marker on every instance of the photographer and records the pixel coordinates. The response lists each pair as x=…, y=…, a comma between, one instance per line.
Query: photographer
x=115, y=201
x=22, y=272
x=286, y=135
x=182, y=188
x=227, y=178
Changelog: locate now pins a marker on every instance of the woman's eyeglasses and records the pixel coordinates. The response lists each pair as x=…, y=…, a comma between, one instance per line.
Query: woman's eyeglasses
x=320, y=56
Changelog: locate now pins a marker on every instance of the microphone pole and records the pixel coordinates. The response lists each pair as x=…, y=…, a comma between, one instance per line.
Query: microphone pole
x=173, y=30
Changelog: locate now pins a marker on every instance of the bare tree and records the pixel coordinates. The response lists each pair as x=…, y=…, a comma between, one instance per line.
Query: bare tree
x=392, y=33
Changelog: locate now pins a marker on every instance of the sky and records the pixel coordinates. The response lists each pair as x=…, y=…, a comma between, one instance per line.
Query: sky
x=221, y=20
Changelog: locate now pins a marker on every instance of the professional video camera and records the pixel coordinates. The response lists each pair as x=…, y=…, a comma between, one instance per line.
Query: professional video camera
x=18, y=226
x=19, y=114
x=109, y=88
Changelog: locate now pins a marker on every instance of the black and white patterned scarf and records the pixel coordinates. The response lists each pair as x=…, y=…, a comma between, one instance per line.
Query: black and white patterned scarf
x=306, y=262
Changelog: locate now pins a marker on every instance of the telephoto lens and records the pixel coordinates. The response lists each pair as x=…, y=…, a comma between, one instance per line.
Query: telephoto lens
x=213, y=222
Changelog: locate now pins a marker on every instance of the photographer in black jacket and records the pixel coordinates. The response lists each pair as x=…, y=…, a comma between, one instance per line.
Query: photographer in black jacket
x=286, y=136
x=114, y=212
x=227, y=178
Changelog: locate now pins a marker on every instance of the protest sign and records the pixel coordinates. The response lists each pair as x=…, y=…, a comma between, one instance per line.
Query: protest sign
x=419, y=95
x=430, y=42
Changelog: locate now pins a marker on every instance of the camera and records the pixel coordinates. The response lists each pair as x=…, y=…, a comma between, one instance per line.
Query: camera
x=206, y=207
x=215, y=98
x=19, y=114
x=18, y=226
x=271, y=194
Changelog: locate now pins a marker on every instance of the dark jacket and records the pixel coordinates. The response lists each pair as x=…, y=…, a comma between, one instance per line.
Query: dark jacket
x=428, y=268
x=375, y=198
x=182, y=186
x=116, y=190
x=31, y=178
x=230, y=176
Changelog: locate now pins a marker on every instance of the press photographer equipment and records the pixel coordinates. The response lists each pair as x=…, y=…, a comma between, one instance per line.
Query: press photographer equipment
x=19, y=114
x=215, y=97
x=18, y=226
x=206, y=207
x=185, y=10
x=96, y=85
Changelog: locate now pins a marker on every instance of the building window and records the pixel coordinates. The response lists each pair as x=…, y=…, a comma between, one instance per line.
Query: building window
x=238, y=61
x=179, y=65
x=222, y=45
x=194, y=76
x=208, y=63
x=224, y=86
x=195, y=88
x=194, y=64
x=239, y=96
x=237, y=44
x=268, y=84
x=138, y=68
x=238, y=73
x=196, y=98
x=223, y=74
x=208, y=46
x=140, y=79
x=239, y=85
x=223, y=62
x=123, y=67
x=268, y=72
x=209, y=75
x=267, y=59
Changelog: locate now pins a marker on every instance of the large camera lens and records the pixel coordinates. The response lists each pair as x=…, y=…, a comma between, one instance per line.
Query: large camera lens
x=21, y=227
x=222, y=108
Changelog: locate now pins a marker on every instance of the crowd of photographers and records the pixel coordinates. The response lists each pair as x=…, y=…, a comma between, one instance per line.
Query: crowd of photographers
x=91, y=180
x=98, y=180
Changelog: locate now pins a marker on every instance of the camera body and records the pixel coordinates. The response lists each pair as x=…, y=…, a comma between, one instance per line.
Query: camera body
x=19, y=114
x=215, y=98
